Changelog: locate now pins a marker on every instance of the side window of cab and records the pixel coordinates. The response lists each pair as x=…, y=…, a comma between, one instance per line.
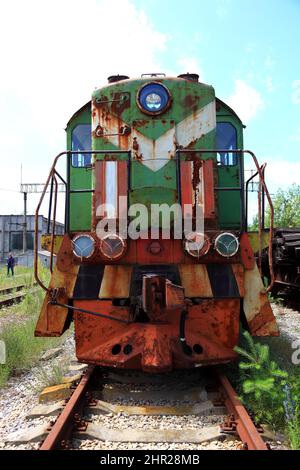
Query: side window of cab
x=81, y=140
x=226, y=139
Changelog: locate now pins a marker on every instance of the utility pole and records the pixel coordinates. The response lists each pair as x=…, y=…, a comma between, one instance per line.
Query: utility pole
x=25, y=223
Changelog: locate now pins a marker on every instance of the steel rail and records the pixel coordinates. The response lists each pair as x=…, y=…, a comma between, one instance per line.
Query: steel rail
x=12, y=300
x=9, y=290
x=63, y=426
x=245, y=427
x=16, y=298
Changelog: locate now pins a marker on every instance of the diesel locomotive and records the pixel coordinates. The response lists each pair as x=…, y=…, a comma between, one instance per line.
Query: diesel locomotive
x=146, y=292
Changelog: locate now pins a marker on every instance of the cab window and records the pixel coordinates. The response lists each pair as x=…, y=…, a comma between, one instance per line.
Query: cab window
x=81, y=140
x=226, y=138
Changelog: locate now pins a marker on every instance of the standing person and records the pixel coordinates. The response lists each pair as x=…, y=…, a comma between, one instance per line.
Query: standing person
x=10, y=264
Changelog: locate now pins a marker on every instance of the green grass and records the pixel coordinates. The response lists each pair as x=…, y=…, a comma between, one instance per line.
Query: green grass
x=49, y=378
x=22, y=275
x=22, y=348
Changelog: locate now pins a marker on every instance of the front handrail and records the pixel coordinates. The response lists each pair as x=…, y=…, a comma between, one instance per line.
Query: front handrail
x=260, y=172
x=53, y=174
x=36, y=222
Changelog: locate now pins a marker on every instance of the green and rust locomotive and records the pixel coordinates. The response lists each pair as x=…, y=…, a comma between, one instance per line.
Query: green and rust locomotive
x=154, y=302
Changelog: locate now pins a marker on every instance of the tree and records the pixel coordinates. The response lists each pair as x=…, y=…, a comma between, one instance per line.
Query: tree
x=286, y=209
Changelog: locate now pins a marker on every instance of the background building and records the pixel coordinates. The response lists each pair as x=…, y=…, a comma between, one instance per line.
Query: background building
x=11, y=237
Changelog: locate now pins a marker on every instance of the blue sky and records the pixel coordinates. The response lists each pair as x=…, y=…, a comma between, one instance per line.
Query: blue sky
x=255, y=41
x=55, y=53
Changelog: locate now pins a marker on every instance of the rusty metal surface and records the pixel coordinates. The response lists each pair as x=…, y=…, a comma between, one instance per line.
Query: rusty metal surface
x=195, y=280
x=240, y=420
x=65, y=422
x=256, y=305
x=53, y=318
x=247, y=255
x=46, y=242
x=155, y=346
x=152, y=251
x=239, y=273
x=53, y=223
x=115, y=282
x=158, y=293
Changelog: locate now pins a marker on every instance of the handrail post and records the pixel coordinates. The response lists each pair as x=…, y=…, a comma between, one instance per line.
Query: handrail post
x=260, y=171
x=53, y=224
x=36, y=224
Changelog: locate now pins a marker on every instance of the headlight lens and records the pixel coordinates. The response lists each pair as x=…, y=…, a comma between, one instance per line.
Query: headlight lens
x=112, y=246
x=197, y=244
x=227, y=244
x=153, y=101
x=153, y=98
x=83, y=246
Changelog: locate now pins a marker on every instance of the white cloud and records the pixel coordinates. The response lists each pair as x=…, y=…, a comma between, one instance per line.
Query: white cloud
x=245, y=100
x=296, y=136
x=222, y=8
x=53, y=55
x=296, y=92
x=281, y=173
x=270, y=84
x=250, y=47
x=269, y=62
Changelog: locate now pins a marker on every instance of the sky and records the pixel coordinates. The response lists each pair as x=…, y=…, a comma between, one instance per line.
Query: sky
x=54, y=54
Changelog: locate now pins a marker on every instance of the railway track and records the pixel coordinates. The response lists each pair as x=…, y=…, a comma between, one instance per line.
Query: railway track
x=75, y=422
x=13, y=295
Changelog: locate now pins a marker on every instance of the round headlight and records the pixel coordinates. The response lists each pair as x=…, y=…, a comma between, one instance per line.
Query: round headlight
x=197, y=244
x=153, y=98
x=227, y=244
x=112, y=246
x=83, y=246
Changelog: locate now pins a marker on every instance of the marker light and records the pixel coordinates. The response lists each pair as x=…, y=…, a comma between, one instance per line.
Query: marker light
x=112, y=246
x=153, y=98
x=83, y=246
x=227, y=244
x=197, y=244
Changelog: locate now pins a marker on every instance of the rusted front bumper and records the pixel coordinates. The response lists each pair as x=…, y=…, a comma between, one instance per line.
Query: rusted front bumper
x=211, y=331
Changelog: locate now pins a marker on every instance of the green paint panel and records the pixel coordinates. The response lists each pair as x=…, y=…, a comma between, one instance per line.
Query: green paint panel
x=229, y=204
x=154, y=196
x=153, y=129
x=143, y=177
x=229, y=207
x=80, y=178
x=80, y=212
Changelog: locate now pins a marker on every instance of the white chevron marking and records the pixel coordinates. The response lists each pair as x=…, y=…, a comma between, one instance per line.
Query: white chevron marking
x=156, y=153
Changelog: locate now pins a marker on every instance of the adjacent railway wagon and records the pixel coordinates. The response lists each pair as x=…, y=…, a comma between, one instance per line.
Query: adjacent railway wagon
x=143, y=291
x=286, y=260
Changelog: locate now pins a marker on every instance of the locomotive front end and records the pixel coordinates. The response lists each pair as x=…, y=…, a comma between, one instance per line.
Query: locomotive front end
x=156, y=268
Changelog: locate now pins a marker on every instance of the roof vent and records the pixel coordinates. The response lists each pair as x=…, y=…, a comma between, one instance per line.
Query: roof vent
x=192, y=77
x=116, y=78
